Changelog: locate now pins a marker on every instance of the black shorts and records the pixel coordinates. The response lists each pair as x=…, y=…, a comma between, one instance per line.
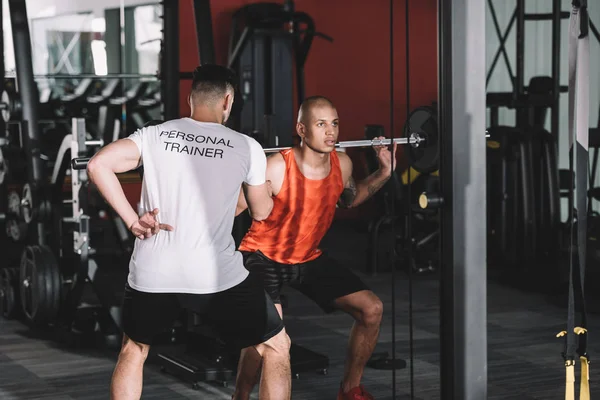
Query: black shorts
x=243, y=315
x=322, y=280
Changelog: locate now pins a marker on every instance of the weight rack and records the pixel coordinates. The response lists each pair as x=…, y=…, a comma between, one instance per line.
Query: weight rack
x=85, y=265
x=56, y=279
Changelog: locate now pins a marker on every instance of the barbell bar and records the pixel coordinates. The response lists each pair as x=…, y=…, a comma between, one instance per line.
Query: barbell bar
x=415, y=140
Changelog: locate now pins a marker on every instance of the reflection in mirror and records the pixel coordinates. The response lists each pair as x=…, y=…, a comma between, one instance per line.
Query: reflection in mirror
x=68, y=44
x=148, y=36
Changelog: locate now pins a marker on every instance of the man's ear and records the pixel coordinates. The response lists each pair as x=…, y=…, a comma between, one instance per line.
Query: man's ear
x=301, y=130
x=228, y=104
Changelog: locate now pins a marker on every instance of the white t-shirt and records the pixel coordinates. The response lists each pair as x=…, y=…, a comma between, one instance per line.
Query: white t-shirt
x=193, y=172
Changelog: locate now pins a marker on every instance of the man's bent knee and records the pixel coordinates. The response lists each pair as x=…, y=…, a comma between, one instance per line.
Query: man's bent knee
x=372, y=312
x=134, y=350
x=278, y=344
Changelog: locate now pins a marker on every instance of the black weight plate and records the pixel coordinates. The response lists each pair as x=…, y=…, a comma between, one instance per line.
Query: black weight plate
x=7, y=294
x=40, y=284
x=425, y=158
x=26, y=276
x=53, y=282
x=56, y=282
x=13, y=305
x=15, y=284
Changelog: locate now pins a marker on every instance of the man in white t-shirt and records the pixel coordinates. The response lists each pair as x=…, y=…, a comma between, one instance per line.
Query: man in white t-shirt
x=185, y=255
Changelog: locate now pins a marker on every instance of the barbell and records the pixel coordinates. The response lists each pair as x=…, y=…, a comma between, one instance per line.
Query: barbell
x=10, y=105
x=420, y=132
x=415, y=140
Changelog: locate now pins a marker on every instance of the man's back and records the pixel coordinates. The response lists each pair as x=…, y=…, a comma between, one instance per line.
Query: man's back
x=192, y=173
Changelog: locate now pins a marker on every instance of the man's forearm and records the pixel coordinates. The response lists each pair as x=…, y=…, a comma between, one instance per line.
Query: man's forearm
x=241, y=204
x=109, y=186
x=366, y=188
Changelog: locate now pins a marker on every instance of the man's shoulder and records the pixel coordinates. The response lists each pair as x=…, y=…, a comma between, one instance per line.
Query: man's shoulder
x=345, y=160
x=275, y=160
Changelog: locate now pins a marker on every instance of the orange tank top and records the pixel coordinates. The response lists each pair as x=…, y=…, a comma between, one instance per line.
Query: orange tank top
x=303, y=211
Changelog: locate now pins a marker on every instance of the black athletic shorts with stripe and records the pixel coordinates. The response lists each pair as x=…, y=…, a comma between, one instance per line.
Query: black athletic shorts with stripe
x=323, y=280
x=243, y=315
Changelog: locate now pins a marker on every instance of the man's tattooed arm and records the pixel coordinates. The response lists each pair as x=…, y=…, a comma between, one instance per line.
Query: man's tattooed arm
x=356, y=193
x=375, y=185
x=348, y=195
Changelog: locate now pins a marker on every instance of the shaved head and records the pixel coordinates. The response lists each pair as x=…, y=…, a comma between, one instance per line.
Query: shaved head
x=310, y=103
x=318, y=124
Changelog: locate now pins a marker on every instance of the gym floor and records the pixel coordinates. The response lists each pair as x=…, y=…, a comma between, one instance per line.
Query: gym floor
x=524, y=354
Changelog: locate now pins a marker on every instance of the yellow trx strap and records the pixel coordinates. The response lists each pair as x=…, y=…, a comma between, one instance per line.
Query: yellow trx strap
x=570, y=380
x=578, y=73
x=584, y=389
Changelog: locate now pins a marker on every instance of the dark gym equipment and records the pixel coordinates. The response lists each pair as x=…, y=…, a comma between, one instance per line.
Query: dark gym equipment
x=27, y=90
x=41, y=283
x=9, y=293
x=524, y=183
x=423, y=121
x=524, y=193
x=424, y=161
x=63, y=282
x=194, y=369
x=267, y=41
x=206, y=358
x=511, y=225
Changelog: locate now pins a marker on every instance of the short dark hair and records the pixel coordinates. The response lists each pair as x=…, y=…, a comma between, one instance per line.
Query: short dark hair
x=213, y=81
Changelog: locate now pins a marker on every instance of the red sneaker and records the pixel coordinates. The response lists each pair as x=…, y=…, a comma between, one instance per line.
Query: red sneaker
x=357, y=393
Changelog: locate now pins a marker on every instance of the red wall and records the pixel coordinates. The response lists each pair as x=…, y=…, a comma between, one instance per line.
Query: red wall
x=354, y=70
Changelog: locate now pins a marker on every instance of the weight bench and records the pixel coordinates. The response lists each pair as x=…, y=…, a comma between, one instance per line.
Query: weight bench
x=204, y=359
x=207, y=359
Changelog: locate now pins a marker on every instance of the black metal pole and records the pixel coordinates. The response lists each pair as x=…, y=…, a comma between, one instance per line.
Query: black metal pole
x=520, y=85
x=556, y=22
x=204, y=31
x=462, y=72
x=170, y=59
x=594, y=30
x=2, y=69
x=447, y=325
x=521, y=113
x=28, y=90
x=501, y=47
x=498, y=52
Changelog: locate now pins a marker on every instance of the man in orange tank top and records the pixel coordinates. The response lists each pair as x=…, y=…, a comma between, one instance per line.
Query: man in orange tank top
x=308, y=182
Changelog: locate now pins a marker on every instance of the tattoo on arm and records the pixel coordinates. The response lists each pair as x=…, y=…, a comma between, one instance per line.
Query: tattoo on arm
x=348, y=195
x=375, y=186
